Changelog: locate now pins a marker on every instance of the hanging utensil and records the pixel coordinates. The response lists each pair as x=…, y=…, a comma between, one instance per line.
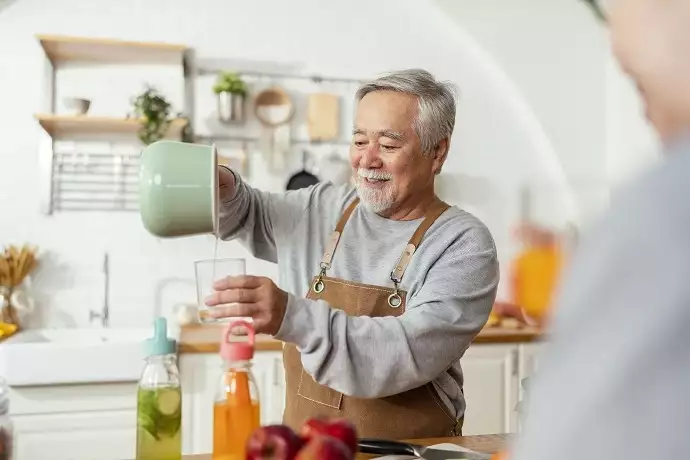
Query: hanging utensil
x=274, y=108
x=303, y=178
x=334, y=168
x=323, y=116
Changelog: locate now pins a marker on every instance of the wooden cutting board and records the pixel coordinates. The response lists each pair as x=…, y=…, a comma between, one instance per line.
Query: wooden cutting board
x=323, y=116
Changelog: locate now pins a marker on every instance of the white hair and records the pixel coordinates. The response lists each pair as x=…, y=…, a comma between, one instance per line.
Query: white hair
x=436, y=112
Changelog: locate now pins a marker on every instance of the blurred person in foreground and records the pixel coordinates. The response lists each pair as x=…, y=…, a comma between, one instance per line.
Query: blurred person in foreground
x=614, y=383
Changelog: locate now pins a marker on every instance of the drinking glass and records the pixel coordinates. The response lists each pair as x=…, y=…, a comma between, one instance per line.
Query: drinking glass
x=209, y=271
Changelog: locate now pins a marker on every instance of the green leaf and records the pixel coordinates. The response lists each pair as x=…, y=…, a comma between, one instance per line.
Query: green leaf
x=230, y=82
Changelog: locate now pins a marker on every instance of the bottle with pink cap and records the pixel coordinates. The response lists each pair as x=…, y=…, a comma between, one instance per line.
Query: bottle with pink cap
x=236, y=409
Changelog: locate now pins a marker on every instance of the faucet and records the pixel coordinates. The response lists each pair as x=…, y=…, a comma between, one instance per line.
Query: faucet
x=104, y=315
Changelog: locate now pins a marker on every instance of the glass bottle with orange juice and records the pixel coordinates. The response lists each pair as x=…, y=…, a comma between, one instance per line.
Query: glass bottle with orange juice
x=236, y=409
x=536, y=269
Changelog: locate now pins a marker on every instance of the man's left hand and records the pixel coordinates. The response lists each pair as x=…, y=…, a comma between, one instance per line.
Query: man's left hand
x=251, y=296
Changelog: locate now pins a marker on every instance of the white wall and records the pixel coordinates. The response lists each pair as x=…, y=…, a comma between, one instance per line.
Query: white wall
x=632, y=143
x=498, y=144
x=559, y=57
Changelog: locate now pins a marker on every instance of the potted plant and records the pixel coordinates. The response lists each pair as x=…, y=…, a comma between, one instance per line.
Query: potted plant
x=231, y=94
x=154, y=111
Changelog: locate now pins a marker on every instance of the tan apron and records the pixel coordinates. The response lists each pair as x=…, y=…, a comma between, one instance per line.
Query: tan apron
x=417, y=413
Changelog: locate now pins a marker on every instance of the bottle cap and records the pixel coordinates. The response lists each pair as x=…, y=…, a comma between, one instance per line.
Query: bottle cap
x=160, y=344
x=236, y=350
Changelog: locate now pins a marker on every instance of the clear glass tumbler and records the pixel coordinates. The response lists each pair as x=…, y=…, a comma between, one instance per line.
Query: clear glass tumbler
x=209, y=271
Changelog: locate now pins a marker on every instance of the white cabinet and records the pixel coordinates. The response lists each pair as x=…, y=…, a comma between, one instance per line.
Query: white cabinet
x=74, y=422
x=200, y=373
x=529, y=361
x=528, y=364
x=491, y=388
x=493, y=376
x=106, y=435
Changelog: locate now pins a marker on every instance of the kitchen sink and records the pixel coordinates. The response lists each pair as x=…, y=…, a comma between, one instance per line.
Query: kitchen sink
x=72, y=356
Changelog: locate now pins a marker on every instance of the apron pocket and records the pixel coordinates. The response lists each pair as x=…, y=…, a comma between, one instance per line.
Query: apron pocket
x=320, y=394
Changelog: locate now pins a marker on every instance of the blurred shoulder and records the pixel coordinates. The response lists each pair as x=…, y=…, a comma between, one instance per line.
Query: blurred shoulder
x=657, y=200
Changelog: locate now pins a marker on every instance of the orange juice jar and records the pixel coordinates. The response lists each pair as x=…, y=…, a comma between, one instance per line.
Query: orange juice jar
x=537, y=268
x=236, y=409
x=536, y=273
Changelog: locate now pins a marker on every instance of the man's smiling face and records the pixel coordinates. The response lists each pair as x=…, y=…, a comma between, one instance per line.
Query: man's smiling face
x=386, y=156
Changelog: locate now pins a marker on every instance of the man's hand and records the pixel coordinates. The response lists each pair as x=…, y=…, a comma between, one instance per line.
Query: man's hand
x=252, y=296
x=226, y=183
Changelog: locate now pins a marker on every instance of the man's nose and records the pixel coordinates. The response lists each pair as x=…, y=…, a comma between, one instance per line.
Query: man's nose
x=370, y=157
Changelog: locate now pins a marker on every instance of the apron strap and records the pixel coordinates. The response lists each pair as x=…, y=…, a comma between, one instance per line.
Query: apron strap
x=432, y=214
x=396, y=275
x=335, y=236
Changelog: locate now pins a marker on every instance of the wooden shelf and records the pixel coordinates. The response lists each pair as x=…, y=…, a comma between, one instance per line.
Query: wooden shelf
x=65, y=125
x=103, y=50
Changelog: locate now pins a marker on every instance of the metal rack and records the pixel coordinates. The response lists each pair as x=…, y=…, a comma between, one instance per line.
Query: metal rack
x=283, y=76
x=94, y=182
x=248, y=140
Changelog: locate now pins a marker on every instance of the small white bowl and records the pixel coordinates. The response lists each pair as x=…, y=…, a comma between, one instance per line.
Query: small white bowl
x=77, y=106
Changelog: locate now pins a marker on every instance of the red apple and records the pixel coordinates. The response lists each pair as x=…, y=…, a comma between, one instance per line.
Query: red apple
x=312, y=428
x=345, y=431
x=324, y=448
x=340, y=428
x=273, y=442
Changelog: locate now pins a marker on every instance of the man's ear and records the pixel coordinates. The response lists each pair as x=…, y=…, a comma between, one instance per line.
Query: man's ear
x=439, y=155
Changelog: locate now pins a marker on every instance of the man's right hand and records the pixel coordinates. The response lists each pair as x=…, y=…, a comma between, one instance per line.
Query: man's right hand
x=226, y=183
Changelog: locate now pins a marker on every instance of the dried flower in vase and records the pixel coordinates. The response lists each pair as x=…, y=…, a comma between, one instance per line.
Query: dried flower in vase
x=15, y=265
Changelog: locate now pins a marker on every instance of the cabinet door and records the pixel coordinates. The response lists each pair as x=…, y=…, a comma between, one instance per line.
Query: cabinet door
x=277, y=393
x=527, y=369
x=107, y=435
x=529, y=362
x=491, y=389
x=268, y=371
x=200, y=374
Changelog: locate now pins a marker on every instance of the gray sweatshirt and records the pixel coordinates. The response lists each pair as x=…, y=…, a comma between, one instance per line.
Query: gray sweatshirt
x=614, y=383
x=451, y=284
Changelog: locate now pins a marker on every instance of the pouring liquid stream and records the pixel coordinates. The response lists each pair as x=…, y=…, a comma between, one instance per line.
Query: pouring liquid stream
x=215, y=259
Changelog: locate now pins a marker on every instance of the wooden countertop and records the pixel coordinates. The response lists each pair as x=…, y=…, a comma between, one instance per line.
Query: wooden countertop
x=488, y=444
x=205, y=338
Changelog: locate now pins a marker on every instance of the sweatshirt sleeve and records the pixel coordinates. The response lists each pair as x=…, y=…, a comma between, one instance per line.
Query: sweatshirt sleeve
x=441, y=320
x=258, y=218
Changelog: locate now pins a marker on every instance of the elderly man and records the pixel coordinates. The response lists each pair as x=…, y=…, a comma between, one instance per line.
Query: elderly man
x=397, y=282
x=614, y=383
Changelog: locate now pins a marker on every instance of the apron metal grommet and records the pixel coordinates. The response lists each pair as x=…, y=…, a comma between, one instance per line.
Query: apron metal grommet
x=318, y=287
x=394, y=300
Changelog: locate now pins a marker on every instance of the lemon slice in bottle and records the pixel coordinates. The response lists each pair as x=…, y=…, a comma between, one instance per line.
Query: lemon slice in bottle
x=168, y=401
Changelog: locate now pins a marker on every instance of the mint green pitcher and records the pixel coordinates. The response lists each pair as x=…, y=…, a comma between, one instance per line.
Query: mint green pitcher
x=178, y=189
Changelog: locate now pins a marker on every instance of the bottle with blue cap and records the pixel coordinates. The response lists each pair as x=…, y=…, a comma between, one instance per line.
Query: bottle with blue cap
x=159, y=399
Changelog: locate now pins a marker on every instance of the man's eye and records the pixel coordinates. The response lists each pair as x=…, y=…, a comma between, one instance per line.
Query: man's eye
x=388, y=147
x=360, y=143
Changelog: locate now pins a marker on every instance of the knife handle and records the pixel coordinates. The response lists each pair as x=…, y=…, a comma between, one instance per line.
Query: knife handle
x=384, y=447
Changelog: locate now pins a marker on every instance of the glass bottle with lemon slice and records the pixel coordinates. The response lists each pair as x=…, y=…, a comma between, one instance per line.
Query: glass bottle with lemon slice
x=159, y=400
